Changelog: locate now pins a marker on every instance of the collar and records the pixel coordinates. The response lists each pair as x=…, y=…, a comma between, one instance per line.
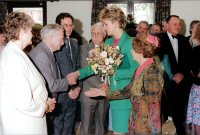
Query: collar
x=142, y=67
x=171, y=36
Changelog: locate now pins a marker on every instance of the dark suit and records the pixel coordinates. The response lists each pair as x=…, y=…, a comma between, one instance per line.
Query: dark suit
x=178, y=94
x=93, y=110
x=67, y=106
x=44, y=60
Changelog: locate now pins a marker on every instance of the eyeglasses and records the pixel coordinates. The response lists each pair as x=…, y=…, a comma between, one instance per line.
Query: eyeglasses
x=67, y=25
x=97, y=34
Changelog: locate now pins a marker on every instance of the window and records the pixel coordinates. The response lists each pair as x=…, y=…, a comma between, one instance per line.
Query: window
x=35, y=13
x=123, y=6
x=37, y=10
x=141, y=10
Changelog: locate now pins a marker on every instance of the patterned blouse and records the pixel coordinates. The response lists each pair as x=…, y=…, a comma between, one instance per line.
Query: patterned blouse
x=145, y=93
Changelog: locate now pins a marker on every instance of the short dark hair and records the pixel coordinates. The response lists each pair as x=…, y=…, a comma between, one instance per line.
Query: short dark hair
x=62, y=16
x=168, y=18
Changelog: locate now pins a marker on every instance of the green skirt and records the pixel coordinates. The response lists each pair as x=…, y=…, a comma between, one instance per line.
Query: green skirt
x=120, y=120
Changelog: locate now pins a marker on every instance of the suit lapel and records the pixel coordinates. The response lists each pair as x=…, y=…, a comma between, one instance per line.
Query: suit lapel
x=180, y=49
x=122, y=40
x=121, y=43
x=171, y=50
x=91, y=46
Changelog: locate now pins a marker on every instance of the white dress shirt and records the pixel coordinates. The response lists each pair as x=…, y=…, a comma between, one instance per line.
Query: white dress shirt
x=174, y=42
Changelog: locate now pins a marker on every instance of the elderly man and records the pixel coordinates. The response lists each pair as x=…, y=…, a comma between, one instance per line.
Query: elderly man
x=68, y=61
x=42, y=55
x=142, y=27
x=155, y=29
x=178, y=49
x=93, y=110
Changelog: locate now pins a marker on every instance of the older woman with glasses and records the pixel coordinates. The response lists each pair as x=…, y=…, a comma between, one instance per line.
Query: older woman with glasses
x=144, y=90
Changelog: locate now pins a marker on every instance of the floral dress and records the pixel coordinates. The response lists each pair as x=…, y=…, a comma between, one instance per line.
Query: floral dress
x=145, y=92
x=193, y=110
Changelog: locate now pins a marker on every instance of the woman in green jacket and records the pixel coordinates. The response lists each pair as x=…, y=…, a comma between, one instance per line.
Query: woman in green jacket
x=114, y=21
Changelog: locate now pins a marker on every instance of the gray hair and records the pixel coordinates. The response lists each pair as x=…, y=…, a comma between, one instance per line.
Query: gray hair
x=145, y=22
x=50, y=29
x=99, y=25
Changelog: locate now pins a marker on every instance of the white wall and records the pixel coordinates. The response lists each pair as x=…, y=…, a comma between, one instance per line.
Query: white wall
x=80, y=10
x=187, y=10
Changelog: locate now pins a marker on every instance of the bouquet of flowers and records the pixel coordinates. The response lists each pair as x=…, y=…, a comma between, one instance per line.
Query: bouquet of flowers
x=104, y=60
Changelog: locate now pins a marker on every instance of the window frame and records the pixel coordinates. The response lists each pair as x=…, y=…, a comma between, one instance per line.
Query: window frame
x=30, y=4
x=130, y=4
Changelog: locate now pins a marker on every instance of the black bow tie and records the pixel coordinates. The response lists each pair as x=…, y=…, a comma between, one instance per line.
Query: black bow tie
x=175, y=36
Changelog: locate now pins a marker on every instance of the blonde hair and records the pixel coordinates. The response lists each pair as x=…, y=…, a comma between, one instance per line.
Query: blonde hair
x=16, y=21
x=196, y=32
x=113, y=13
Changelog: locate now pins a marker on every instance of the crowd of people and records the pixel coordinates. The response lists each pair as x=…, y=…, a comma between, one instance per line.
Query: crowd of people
x=40, y=87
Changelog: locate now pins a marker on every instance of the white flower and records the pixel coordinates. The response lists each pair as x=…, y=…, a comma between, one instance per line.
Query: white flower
x=104, y=71
x=95, y=71
x=107, y=61
x=104, y=59
x=94, y=68
x=111, y=60
x=108, y=67
x=104, y=54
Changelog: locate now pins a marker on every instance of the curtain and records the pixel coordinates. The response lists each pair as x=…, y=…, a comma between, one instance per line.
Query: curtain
x=162, y=10
x=97, y=6
x=3, y=11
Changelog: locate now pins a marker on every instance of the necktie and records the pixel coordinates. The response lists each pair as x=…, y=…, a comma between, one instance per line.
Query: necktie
x=70, y=51
x=175, y=36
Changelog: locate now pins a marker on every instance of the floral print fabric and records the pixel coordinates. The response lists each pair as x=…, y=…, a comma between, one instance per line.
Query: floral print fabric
x=145, y=94
x=193, y=112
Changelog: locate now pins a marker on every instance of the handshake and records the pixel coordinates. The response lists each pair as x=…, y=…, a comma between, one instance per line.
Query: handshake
x=72, y=77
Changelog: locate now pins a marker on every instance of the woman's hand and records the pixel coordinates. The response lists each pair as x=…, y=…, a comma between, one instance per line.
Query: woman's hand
x=50, y=104
x=104, y=87
x=94, y=92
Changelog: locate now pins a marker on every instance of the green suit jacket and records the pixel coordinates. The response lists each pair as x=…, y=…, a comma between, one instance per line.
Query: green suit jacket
x=123, y=74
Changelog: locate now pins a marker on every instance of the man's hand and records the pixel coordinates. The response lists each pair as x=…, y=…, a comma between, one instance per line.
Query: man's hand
x=178, y=78
x=72, y=77
x=73, y=94
x=198, y=75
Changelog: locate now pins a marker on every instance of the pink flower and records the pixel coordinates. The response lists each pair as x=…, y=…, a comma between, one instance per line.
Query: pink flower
x=153, y=40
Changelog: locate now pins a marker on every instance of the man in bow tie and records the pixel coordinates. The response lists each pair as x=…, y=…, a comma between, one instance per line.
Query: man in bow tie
x=177, y=48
